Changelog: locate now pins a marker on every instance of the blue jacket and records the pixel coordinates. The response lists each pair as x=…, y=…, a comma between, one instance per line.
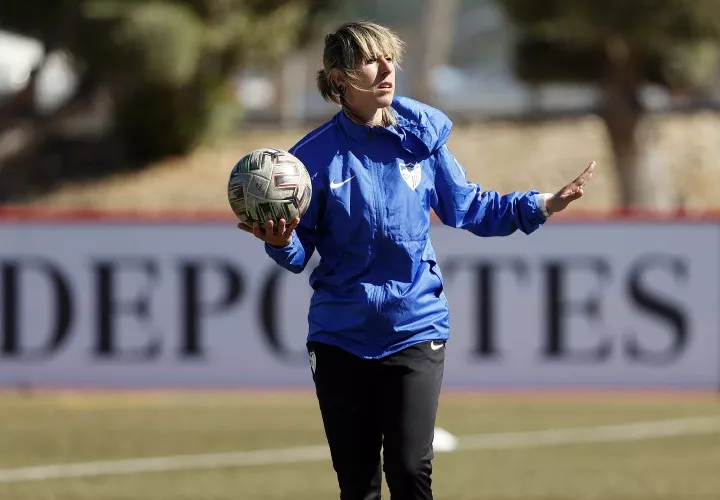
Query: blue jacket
x=378, y=287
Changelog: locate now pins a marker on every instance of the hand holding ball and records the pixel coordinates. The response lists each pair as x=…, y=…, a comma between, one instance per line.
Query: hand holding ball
x=269, y=185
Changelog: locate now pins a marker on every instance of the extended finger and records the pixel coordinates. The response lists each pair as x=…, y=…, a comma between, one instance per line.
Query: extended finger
x=270, y=227
x=585, y=176
x=244, y=227
x=257, y=231
x=281, y=226
x=292, y=226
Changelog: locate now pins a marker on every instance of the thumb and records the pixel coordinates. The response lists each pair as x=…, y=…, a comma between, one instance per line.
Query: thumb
x=575, y=195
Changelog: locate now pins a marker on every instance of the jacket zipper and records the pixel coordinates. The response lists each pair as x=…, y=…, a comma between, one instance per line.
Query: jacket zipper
x=377, y=194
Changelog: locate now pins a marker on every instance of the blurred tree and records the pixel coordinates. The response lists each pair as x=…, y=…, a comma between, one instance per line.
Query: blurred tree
x=621, y=45
x=166, y=64
x=435, y=45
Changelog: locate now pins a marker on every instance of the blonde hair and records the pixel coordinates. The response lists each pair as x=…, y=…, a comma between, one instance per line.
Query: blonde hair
x=351, y=44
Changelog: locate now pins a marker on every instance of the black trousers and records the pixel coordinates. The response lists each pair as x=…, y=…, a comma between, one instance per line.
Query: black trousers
x=388, y=404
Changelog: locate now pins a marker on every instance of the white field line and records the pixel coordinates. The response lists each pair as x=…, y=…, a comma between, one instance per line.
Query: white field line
x=495, y=441
x=166, y=464
x=588, y=435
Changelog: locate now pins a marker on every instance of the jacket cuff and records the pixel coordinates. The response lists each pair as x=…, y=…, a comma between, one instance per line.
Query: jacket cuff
x=273, y=251
x=541, y=200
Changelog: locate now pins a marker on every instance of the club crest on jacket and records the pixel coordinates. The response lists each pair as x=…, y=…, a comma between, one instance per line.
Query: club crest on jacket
x=411, y=174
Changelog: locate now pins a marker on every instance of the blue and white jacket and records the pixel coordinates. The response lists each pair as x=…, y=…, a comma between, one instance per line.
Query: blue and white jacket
x=378, y=288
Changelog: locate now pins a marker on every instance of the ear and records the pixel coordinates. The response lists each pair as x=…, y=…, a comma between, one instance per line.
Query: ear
x=338, y=77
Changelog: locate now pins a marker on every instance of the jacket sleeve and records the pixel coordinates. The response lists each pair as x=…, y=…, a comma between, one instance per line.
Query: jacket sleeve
x=295, y=256
x=462, y=204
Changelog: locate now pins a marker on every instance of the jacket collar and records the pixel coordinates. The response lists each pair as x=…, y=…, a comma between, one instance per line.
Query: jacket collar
x=357, y=131
x=410, y=135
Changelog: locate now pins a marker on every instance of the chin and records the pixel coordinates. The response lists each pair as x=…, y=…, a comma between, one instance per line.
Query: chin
x=385, y=100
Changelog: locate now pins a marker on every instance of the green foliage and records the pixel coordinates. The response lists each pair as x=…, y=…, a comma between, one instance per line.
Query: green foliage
x=162, y=42
x=645, y=23
x=674, y=42
x=36, y=18
x=167, y=63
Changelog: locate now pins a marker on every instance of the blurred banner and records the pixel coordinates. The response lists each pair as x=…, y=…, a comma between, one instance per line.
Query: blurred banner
x=199, y=304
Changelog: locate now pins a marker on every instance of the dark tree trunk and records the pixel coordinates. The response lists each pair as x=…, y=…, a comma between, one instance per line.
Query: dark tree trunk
x=642, y=171
x=434, y=44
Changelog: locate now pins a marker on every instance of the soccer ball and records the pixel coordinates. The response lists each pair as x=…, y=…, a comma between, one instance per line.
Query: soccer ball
x=269, y=184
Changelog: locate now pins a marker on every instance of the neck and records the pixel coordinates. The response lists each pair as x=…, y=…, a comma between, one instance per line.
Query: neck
x=370, y=118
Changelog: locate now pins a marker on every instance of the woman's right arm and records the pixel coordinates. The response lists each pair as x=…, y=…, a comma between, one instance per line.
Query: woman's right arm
x=291, y=243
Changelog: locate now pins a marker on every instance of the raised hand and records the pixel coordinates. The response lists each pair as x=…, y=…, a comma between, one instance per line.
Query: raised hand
x=279, y=236
x=571, y=192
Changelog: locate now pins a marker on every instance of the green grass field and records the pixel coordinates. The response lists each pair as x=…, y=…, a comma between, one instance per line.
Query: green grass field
x=680, y=462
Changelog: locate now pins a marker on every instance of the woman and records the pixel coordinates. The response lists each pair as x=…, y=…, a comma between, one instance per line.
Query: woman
x=378, y=316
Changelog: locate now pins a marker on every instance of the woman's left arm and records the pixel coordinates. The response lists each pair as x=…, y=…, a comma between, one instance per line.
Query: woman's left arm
x=463, y=204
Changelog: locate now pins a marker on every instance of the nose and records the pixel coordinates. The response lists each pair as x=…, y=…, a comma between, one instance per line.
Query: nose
x=386, y=67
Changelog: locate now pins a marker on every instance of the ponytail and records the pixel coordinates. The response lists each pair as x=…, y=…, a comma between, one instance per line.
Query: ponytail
x=329, y=90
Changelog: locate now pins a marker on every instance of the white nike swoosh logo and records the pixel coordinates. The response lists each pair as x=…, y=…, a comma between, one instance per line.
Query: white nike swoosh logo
x=335, y=185
x=435, y=346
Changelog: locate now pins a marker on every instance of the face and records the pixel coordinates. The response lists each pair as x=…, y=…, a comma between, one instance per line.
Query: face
x=375, y=87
